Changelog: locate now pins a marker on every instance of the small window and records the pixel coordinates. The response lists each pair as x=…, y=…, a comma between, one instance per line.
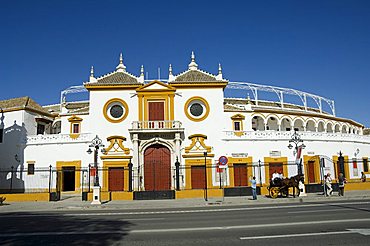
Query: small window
x=40, y=129
x=1, y=135
x=366, y=165
x=237, y=126
x=76, y=128
x=31, y=169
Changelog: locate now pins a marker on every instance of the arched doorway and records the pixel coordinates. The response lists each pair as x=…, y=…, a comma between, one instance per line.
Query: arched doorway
x=157, y=168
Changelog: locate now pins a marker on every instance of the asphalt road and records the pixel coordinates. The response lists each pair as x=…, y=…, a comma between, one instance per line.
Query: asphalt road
x=327, y=223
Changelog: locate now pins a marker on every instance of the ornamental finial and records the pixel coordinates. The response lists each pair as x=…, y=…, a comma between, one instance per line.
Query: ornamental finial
x=121, y=67
x=193, y=65
x=170, y=69
x=142, y=70
x=92, y=71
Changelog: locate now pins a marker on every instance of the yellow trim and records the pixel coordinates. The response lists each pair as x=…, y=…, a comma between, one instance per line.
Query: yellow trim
x=105, y=110
x=77, y=165
x=107, y=165
x=198, y=162
x=206, y=105
x=165, y=95
x=74, y=120
x=346, y=166
x=198, y=138
x=31, y=197
x=167, y=87
x=271, y=160
x=238, y=118
x=316, y=159
x=116, y=145
x=239, y=160
x=198, y=193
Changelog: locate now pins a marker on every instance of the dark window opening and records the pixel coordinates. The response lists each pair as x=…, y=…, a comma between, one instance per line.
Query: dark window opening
x=366, y=165
x=1, y=135
x=31, y=169
x=76, y=128
x=40, y=129
x=237, y=126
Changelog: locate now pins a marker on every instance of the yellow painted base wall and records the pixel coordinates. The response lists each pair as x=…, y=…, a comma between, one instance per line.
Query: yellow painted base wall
x=112, y=196
x=358, y=186
x=211, y=193
x=30, y=197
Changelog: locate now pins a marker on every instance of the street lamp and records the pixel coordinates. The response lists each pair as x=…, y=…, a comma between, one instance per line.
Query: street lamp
x=96, y=143
x=205, y=176
x=298, y=146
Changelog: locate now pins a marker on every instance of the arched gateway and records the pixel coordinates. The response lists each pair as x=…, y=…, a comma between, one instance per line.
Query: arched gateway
x=157, y=168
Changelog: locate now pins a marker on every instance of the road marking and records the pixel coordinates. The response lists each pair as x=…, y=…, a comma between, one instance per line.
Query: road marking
x=191, y=229
x=143, y=219
x=186, y=211
x=214, y=210
x=319, y=210
x=297, y=235
x=249, y=226
x=365, y=232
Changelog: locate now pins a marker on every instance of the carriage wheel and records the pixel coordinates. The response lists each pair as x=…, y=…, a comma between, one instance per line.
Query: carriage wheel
x=274, y=192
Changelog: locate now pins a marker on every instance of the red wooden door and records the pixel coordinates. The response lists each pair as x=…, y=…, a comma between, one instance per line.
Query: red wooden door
x=156, y=113
x=116, y=178
x=311, y=171
x=275, y=167
x=157, y=168
x=198, y=181
x=240, y=175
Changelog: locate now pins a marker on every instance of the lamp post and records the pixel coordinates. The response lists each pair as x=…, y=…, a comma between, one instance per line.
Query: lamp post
x=205, y=176
x=298, y=146
x=96, y=143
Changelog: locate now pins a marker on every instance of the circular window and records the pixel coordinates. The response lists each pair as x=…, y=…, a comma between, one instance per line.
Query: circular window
x=196, y=109
x=115, y=110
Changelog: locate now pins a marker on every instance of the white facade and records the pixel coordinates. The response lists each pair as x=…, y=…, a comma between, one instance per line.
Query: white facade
x=237, y=128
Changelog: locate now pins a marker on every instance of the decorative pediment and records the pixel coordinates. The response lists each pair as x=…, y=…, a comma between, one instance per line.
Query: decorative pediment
x=197, y=144
x=238, y=117
x=116, y=149
x=155, y=86
x=74, y=118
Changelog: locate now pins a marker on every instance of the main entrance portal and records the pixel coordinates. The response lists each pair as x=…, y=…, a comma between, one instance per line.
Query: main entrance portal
x=157, y=168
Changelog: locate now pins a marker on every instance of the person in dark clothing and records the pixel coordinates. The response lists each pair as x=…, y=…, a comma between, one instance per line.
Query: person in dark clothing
x=341, y=182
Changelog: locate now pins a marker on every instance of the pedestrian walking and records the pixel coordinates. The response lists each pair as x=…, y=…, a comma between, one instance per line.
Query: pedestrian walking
x=363, y=177
x=329, y=189
x=341, y=182
x=254, y=188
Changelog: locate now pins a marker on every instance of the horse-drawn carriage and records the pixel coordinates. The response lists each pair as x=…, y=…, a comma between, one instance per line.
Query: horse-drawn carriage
x=281, y=186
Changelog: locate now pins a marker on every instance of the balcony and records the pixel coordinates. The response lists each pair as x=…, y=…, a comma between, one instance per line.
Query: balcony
x=156, y=126
x=283, y=135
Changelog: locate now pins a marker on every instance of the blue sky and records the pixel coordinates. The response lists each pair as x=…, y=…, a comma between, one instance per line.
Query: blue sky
x=321, y=47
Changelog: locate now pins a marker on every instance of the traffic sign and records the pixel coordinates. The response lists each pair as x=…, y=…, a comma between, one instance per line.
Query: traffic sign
x=222, y=160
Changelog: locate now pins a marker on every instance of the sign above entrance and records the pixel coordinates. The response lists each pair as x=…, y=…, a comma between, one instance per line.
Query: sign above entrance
x=222, y=160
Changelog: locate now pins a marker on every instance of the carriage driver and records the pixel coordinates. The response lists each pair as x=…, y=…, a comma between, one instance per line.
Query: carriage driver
x=275, y=176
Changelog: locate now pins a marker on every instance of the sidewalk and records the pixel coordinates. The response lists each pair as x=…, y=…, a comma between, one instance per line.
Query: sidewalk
x=75, y=203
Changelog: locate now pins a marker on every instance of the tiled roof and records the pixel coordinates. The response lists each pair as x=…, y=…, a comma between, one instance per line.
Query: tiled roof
x=116, y=78
x=195, y=76
x=21, y=103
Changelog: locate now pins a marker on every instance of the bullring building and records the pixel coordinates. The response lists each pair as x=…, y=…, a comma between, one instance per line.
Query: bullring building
x=189, y=135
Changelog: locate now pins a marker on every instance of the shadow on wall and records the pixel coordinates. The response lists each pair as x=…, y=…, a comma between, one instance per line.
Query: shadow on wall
x=12, y=158
x=61, y=229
